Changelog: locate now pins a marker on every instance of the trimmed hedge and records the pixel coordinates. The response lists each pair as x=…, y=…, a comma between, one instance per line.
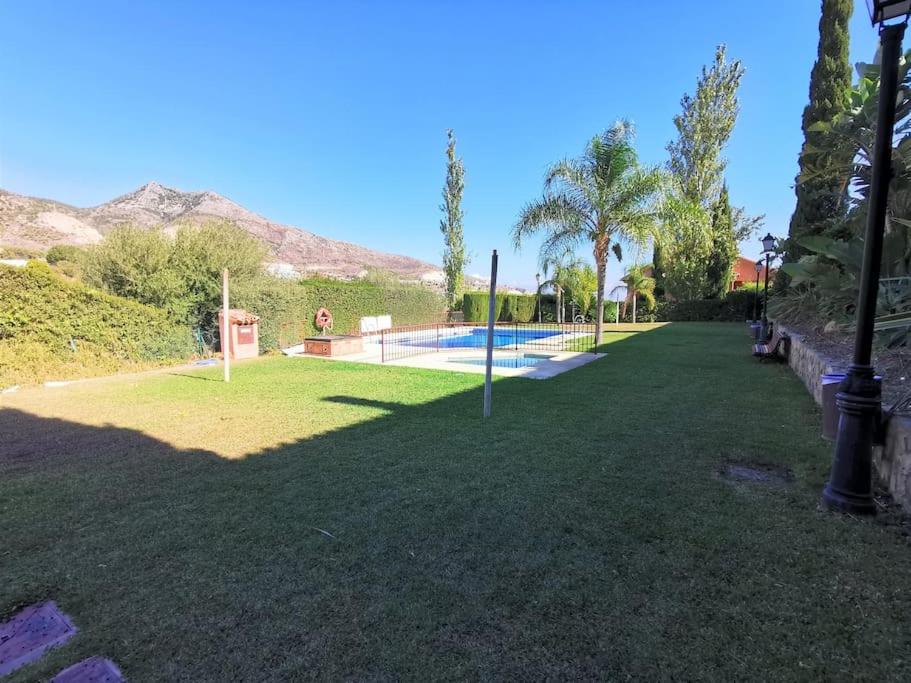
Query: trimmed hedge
x=41, y=312
x=519, y=308
x=736, y=306
x=287, y=307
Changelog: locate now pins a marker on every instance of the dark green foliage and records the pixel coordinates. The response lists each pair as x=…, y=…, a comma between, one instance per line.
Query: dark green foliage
x=520, y=308
x=287, y=308
x=724, y=248
x=736, y=306
x=41, y=308
x=610, y=311
x=819, y=200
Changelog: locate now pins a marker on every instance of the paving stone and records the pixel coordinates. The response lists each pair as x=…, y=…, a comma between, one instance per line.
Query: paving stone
x=91, y=670
x=30, y=633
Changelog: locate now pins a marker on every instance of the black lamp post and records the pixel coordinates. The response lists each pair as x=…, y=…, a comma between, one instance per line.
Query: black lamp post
x=538, y=279
x=850, y=486
x=768, y=248
x=756, y=293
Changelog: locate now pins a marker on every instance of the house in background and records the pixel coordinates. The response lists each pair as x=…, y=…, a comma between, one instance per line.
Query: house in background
x=745, y=273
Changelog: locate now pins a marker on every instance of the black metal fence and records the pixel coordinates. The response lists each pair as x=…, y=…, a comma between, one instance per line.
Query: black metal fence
x=414, y=340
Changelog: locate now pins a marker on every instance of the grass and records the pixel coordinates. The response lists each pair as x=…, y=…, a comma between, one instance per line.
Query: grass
x=582, y=532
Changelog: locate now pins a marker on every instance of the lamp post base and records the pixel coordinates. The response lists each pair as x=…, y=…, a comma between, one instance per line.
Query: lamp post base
x=850, y=487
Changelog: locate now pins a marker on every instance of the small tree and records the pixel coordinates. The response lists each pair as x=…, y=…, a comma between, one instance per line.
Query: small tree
x=454, y=256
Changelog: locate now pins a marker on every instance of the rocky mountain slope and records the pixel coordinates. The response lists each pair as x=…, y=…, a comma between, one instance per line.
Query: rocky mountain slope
x=40, y=223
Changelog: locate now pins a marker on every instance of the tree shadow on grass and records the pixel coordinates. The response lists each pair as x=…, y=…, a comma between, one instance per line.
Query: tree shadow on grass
x=550, y=541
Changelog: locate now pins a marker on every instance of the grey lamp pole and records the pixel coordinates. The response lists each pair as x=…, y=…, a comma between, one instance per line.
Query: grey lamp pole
x=768, y=247
x=538, y=280
x=850, y=486
x=756, y=293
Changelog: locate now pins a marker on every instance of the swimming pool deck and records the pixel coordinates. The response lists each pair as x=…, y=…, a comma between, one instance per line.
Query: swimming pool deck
x=558, y=361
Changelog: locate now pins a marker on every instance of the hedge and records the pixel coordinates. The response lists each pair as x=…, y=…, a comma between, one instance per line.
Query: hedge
x=736, y=306
x=287, y=308
x=49, y=323
x=507, y=307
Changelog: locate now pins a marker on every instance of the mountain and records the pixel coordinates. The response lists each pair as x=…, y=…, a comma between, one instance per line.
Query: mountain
x=41, y=223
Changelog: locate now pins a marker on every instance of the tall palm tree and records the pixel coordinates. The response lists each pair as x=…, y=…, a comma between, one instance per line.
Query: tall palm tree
x=638, y=283
x=601, y=198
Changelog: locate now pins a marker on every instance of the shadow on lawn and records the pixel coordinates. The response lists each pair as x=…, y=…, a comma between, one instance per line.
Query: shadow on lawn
x=460, y=547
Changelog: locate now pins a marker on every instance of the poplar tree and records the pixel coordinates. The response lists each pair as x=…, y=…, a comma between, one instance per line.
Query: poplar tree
x=454, y=257
x=819, y=199
x=704, y=127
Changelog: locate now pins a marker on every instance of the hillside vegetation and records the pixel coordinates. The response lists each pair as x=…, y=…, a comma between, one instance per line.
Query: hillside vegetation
x=54, y=328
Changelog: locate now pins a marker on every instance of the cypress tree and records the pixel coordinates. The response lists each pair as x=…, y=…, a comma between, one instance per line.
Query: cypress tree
x=454, y=256
x=724, y=247
x=819, y=199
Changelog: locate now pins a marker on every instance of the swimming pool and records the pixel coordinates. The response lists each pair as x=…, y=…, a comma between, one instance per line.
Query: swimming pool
x=476, y=338
x=525, y=360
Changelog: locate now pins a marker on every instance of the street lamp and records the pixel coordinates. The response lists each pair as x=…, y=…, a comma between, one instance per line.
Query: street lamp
x=756, y=292
x=768, y=248
x=850, y=486
x=538, y=279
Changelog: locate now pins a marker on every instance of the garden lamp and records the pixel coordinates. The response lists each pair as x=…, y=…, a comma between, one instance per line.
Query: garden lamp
x=850, y=485
x=768, y=248
x=538, y=279
x=756, y=291
x=884, y=10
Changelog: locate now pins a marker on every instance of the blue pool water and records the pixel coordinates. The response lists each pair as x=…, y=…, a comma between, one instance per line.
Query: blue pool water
x=524, y=361
x=477, y=338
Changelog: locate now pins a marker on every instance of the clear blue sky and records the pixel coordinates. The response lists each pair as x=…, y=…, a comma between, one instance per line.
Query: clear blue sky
x=332, y=115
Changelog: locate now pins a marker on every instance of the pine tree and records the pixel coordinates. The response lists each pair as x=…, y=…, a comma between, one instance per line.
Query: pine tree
x=454, y=257
x=724, y=247
x=819, y=200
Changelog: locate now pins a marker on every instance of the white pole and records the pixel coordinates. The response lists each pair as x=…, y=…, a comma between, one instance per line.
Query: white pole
x=226, y=326
x=491, y=311
x=617, y=310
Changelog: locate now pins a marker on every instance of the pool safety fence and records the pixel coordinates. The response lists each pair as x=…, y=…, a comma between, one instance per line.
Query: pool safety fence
x=413, y=340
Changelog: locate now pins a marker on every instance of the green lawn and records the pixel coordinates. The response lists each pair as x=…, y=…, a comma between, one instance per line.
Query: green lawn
x=582, y=532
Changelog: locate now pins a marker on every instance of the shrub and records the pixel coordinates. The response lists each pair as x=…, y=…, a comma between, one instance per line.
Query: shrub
x=181, y=275
x=68, y=253
x=475, y=306
x=736, y=306
x=41, y=312
x=518, y=308
x=287, y=307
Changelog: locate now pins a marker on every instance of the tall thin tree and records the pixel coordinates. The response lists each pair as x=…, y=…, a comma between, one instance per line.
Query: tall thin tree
x=704, y=127
x=454, y=256
x=819, y=199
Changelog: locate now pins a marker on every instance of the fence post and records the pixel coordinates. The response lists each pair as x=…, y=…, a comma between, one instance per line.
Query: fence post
x=491, y=310
x=382, y=346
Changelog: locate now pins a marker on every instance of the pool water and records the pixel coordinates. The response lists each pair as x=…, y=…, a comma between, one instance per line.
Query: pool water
x=524, y=361
x=477, y=338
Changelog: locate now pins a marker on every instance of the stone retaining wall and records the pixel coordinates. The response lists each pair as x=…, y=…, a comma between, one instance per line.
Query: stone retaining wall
x=892, y=461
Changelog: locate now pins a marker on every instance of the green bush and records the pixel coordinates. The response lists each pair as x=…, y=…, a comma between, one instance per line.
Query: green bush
x=526, y=304
x=518, y=308
x=287, y=308
x=47, y=321
x=68, y=253
x=475, y=306
x=610, y=311
x=736, y=306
